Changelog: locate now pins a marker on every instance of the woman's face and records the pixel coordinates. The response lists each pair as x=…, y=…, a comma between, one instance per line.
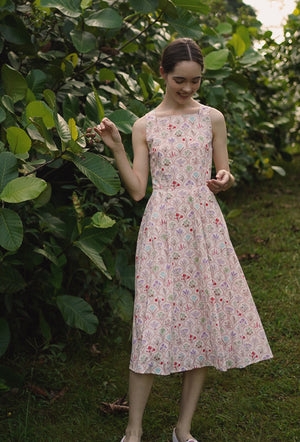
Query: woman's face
x=184, y=81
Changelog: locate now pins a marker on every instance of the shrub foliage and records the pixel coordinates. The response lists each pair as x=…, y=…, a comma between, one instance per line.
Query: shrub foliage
x=67, y=227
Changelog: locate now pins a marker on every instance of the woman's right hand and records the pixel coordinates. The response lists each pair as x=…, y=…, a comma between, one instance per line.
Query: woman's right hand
x=108, y=133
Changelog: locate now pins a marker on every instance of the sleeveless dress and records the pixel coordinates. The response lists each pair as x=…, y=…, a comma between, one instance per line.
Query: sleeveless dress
x=193, y=307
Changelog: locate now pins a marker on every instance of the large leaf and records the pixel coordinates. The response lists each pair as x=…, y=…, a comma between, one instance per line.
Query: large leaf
x=70, y=8
x=238, y=44
x=83, y=41
x=18, y=140
x=14, y=83
x=4, y=336
x=215, y=60
x=99, y=104
x=11, y=230
x=11, y=280
x=12, y=28
x=92, y=253
x=36, y=80
x=46, y=135
x=23, y=189
x=193, y=5
x=40, y=109
x=77, y=313
x=145, y=6
x=186, y=25
x=62, y=127
x=8, y=168
x=123, y=119
x=121, y=301
x=99, y=171
x=102, y=221
x=106, y=19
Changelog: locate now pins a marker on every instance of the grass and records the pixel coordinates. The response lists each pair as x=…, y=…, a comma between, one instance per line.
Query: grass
x=258, y=403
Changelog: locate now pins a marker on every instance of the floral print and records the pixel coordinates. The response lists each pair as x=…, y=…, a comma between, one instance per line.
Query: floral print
x=193, y=307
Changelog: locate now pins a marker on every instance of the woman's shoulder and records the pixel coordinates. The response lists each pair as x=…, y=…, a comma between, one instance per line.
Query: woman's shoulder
x=215, y=115
x=141, y=122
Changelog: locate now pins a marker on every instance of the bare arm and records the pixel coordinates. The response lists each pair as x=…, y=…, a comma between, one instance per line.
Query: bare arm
x=135, y=178
x=224, y=180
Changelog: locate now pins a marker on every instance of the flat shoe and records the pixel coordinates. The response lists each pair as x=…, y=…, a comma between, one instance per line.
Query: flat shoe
x=174, y=438
x=123, y=439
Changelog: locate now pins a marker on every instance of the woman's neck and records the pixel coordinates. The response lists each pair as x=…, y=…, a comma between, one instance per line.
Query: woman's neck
x=168, y=107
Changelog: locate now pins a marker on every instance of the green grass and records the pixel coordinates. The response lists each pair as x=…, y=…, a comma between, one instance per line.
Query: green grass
x=258, y=403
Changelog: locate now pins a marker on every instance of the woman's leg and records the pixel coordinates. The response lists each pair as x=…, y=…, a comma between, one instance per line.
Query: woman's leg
x=139, y=389
x=193, y=381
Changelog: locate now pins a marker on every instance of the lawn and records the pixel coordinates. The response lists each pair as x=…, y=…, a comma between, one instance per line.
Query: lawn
x=64, y=390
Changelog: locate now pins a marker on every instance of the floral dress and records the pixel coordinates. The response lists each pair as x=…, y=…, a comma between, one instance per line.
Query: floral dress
x=193, y=307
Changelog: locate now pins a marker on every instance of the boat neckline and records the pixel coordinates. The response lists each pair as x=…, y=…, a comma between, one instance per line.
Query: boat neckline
x=184, y=114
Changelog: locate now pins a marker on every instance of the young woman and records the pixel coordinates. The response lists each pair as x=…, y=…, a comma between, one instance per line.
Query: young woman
x=193, y=307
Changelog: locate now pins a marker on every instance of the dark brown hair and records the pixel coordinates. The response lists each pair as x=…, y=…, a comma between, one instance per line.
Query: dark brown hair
x=181, y=49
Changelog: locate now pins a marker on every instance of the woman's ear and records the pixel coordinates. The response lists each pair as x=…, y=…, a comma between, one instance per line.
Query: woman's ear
x=162, y=73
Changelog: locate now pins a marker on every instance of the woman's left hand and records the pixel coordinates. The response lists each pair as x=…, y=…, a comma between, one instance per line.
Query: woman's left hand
x=223, y=181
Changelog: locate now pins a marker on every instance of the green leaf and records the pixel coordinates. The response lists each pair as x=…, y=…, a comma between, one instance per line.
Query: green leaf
x=83, y=41
x=11, y=280
x=2, y=114
x=224, y=28
x=43, y=198
x=193, y=5
x=186, y=25
x=243, y=32
x=50, y=98
x=238, y=45
x=102, y=221
x=40, y=109
x=70, y=8
x=62, y=128
x=234, y=213
x=36, y=80
x=123, y=119
x=4, y=336
x=99, y=171
x=77, y=313
x=11, y=230
x=18, y=140
x=92, y=253
x=215, y=60
x=106, y=19
x=14, y=83
x=23, y=189
x=106, y=74
x=8, y=168
x=251, y=58
x=121, y=301
x=145, y=6
x=8, y=103
x=14, y=31
x=99, y=104
x=38, y=122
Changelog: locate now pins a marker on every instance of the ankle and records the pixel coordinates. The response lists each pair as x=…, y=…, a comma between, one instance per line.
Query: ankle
x=182, y=433
x=133, y=435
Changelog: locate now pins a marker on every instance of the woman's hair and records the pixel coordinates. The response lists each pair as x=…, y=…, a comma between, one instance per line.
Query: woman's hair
x=181, y=49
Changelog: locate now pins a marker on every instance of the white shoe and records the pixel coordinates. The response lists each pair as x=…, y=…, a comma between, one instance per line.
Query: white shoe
x=174, y=438
x=123, y=439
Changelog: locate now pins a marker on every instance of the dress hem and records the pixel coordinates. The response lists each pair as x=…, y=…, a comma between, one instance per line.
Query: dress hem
x=200, y=366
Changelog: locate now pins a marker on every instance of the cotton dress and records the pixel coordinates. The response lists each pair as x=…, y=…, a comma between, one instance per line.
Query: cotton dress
x=193, y=307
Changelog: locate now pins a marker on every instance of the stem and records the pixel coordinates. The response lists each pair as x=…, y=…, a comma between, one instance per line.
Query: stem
x=43, y=165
